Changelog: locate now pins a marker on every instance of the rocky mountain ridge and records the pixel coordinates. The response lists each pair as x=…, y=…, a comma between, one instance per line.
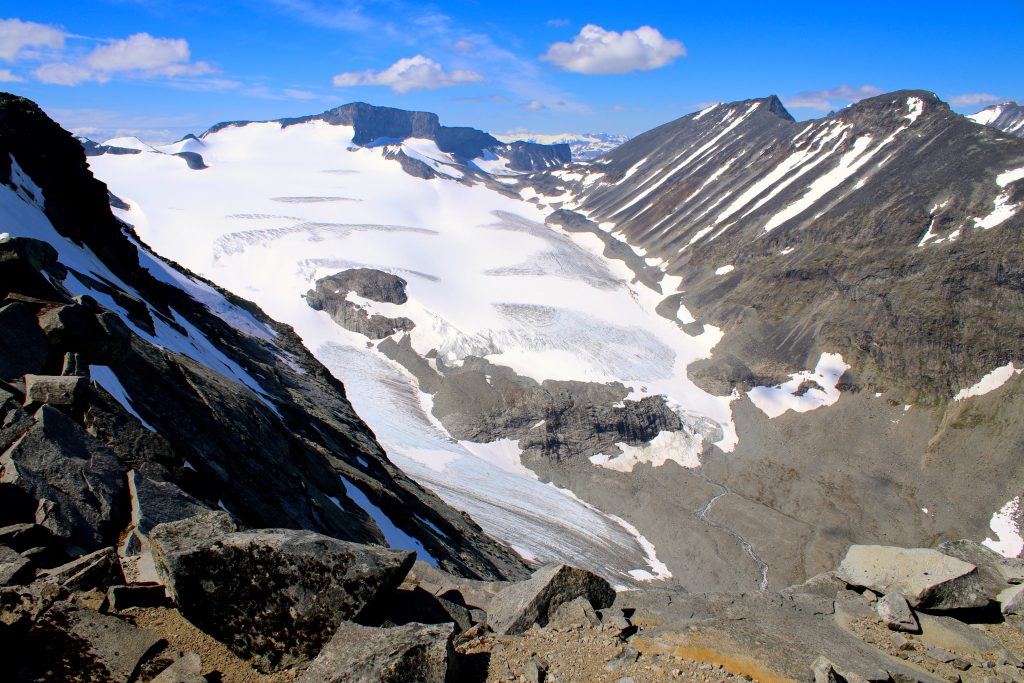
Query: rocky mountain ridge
x=756, y=212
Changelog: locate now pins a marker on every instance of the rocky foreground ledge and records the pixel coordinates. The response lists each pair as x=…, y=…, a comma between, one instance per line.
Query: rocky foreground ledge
x=228, y=604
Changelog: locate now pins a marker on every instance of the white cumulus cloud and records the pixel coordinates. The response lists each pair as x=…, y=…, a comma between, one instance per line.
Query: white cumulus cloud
x=62, y=73
x=139, y=56
x=16, y=35
x=147, y=55
x=408, y=74
x=8, y=76
x=831, y=98
x=598, y=51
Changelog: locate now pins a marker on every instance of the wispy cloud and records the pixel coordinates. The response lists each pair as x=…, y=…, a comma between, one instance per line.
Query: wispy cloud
x=975, y=99
x=408, y=74
x=831, y=98
x=598, y=51
x=8, y=76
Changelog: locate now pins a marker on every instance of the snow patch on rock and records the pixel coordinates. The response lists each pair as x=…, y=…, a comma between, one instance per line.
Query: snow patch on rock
x=1008, y=541
x=805, y=391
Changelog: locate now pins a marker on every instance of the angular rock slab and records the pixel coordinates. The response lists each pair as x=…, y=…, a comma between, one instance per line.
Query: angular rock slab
x=274, y=596
x=956, y=636
x=926, y=578
x=54, y=390
x=14, y=569
x=95, y=570
x=188, y=669
x=85, y=645
x=525, y=603
x=152, y=503
x=361, y=654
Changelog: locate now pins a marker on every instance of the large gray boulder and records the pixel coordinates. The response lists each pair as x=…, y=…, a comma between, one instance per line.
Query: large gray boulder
x=994, y=570
x=925, y=577
x=78, y=482
x=184, y=535
x=525, y=603
x=359, y=654
x=273, y=596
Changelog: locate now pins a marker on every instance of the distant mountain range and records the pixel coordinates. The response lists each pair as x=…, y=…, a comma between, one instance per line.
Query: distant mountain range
x=1007, y=117
x=584, y=146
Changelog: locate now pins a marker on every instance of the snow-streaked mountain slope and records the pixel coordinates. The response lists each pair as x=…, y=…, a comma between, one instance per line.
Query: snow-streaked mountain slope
x=584, y=146
x=1007, y=117
x=741, y=193
x=281, y=206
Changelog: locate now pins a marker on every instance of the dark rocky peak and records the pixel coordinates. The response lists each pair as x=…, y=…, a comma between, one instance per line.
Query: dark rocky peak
x=894, y=110
x=374, y=123
x=76, y=202
x=774, y=105
x=753, y=119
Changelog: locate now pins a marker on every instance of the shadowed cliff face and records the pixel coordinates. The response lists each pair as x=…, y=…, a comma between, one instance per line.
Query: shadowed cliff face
x=184, y=383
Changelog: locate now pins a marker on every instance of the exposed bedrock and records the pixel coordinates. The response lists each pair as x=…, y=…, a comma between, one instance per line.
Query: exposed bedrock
x=331, y=296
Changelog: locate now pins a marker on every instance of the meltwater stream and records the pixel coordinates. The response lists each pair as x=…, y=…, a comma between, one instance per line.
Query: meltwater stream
x=702, y=515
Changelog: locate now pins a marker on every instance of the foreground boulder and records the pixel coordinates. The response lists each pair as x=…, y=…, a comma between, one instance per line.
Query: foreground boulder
x=926, y=578
x=523, y=604
x=997, y=572
x=273, y=596
x=71, y=643
x=361, y=654
x=78, y=482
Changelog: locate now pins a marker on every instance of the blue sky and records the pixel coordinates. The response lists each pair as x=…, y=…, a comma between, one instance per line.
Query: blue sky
x=162, y=68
